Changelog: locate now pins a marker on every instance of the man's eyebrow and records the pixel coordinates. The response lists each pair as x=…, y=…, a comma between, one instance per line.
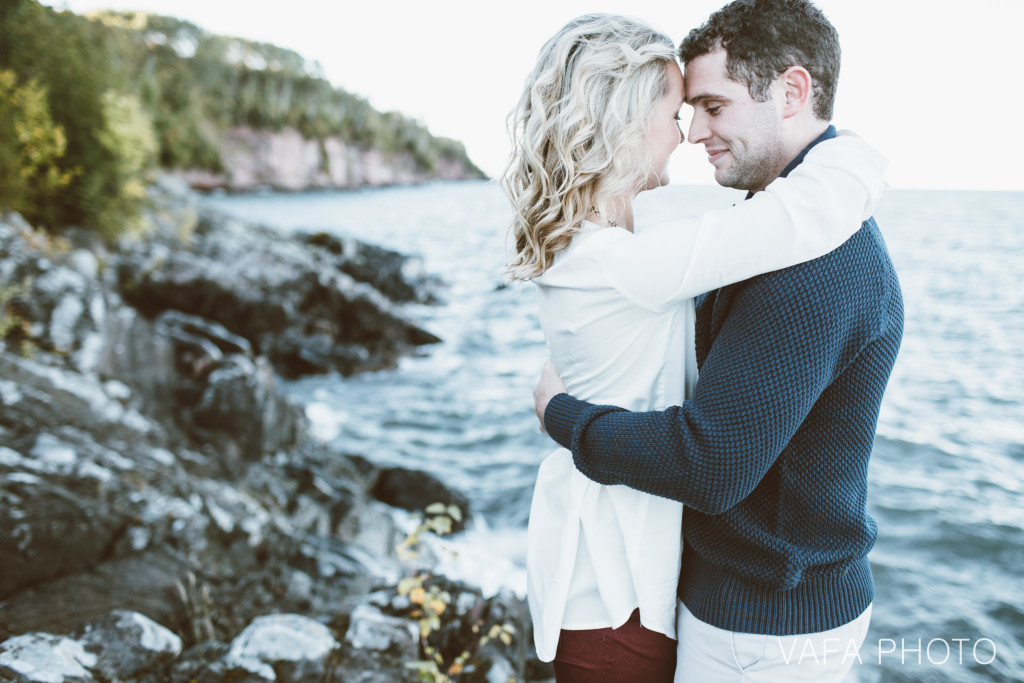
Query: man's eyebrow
x=697, y=99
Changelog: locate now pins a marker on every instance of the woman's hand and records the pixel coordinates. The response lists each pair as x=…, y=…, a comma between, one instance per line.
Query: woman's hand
x=549, y=386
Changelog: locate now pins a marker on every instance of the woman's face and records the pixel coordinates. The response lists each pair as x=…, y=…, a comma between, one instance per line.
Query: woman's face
x=663, y=132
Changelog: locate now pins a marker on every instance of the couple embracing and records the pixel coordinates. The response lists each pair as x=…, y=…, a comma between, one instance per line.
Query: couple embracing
x=714, y=529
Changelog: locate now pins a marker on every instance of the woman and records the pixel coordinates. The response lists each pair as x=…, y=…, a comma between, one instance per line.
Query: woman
x=596, y=124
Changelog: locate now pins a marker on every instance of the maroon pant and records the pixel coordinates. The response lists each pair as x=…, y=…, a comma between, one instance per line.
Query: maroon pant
x=628, y=654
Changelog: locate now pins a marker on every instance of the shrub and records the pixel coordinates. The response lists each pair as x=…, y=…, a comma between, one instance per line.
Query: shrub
x=31, y=145
x=82, y=64
x=129, y=140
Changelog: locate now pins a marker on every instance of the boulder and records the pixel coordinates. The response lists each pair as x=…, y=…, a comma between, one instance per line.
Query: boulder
x=293, y=647
x=43, y=395
x=53, y=525
x=378, y=647
x=415, y=490
x=394, y=275
x=45, y=658
x=291, y=297
x=146, y=582
x=371, y=629
x=206, y=380
x=128, y=644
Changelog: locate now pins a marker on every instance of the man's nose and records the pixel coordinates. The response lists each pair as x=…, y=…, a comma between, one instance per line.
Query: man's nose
x=699, y=130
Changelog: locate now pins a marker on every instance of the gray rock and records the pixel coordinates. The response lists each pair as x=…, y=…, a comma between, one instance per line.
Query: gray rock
x=378, y=648
x=329, y=558
x=372, y=526
x=300, y=587
x=203, y=663
x=145, y=582
x=45, y=658
x=65, y=317
x=117, y=390
x=53, y=455
x=499, y=670
x=85, y=262
x=239, y=400
x=57, y=281
x=52, y=526
x=50, y=396
x=142, y=361
x=416, y=490
x=184, y=327
x=198, y=375
x=63, y=309
x=247, y=670
x=294, y=299
x=297, y=648
x=87, y=358
x=128, y=644
x=392, y=274
x=371, y=629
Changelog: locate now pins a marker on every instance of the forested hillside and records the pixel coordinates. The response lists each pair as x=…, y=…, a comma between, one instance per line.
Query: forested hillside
x=89, y=105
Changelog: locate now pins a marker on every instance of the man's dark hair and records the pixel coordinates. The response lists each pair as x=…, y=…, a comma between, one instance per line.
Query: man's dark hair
x=763, y=38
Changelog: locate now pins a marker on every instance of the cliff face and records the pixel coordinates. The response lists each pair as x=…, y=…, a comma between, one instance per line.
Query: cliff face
x=285, y=160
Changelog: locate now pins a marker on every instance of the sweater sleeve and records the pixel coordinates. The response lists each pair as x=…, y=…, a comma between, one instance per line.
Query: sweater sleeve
x=796, y=219
x=771, y=360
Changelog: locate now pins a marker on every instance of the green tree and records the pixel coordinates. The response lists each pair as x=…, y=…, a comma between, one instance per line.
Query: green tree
x=128, y=138
x=73, y=58
x=31, y=146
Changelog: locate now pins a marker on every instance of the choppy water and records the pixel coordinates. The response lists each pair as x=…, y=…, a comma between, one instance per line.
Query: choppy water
x=947, y=473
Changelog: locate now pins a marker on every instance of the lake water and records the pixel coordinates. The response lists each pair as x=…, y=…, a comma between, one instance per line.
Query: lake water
x=947, y=472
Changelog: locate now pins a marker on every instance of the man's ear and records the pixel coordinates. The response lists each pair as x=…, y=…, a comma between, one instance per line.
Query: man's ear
x=797, y=90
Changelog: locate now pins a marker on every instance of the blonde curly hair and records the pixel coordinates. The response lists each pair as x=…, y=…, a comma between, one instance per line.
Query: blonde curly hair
x=578, y=131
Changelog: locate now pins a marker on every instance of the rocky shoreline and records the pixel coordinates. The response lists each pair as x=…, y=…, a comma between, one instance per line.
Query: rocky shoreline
x=166, y=513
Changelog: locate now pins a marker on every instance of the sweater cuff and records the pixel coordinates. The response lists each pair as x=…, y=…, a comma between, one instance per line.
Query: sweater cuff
x=560, y=418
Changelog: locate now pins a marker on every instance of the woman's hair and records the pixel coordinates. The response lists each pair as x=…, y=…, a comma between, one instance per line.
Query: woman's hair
x=578, y=131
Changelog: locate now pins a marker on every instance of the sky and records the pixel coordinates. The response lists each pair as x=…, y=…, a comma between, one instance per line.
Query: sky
x=934, y=86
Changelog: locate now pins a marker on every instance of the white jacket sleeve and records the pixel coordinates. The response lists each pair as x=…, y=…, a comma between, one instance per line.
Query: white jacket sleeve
x=804, y=216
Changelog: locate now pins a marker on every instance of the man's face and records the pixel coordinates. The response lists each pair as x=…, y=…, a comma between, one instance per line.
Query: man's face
x=743, y=137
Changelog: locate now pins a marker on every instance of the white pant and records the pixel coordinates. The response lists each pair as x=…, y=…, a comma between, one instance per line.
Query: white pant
x=712, y=655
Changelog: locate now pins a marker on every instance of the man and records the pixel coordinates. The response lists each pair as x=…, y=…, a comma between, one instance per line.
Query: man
x=770, y=456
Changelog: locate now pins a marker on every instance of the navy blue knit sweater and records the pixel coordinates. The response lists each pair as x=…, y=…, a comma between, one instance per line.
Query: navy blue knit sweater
x=771, y=455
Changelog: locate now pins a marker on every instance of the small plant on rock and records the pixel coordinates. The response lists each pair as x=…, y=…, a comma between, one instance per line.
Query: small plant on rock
x=430, y=605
